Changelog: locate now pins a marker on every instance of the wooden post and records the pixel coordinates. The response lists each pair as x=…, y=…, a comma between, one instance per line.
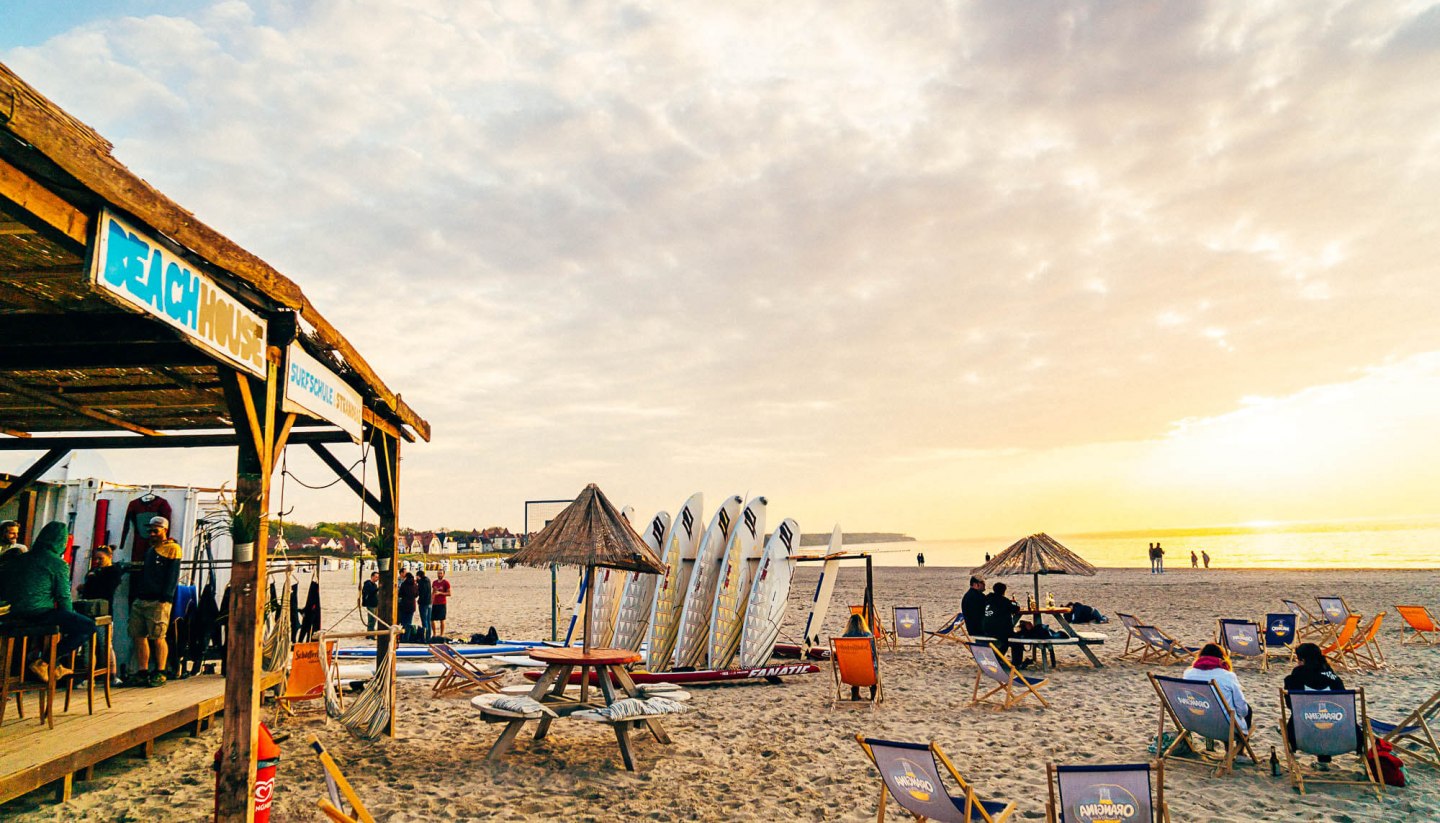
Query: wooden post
x=388, y=472
x=255, y=424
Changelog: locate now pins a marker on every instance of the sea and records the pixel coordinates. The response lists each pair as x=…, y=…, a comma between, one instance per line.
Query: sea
x=1367, y=545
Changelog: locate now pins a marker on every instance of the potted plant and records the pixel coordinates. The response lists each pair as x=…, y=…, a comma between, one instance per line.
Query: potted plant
x=242, y=525
x=383, y=549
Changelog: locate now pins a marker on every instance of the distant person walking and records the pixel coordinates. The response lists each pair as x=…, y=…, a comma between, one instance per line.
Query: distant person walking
x=1206, y=555
x=1194, y=560
x=920, y=559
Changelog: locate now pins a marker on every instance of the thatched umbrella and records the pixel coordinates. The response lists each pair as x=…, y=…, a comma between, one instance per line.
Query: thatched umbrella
x=1035, y=555
x=590, y=532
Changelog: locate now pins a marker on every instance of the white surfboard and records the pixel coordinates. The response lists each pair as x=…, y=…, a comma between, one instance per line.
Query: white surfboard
x=637, y=596
x=678, y=558
x=732, y=589
x=605, y=600
x=690, y=641
x=824, y=588
x=769, y=593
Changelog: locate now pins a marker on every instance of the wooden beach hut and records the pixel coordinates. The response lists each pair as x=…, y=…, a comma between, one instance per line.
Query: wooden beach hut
x=126, y=323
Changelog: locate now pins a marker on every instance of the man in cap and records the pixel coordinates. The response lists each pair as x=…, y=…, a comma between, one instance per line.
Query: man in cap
x=152, y=591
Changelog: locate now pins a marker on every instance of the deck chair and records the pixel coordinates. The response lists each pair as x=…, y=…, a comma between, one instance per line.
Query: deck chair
x=461, y=676
x=909, y=625
x=1162, y=648
x=911, y=774
x=1308, y=624
x=1242, y=639
x=1198, y=709
x=1079, y=794
x=1335, y=649
x=338, y=790
x=1364, y=648
x=1334, y=609
x=1328, y=723
x=855, y=663
x=995, y=666
x=1134, y=644
x=1420, y=622
x=1280, y=634
x=954, y=630
x=306, y=679
x=873, y=624
x=1413, y=735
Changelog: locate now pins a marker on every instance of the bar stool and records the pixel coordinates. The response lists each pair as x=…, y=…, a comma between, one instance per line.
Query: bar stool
x=16, y=637
x=104, y=627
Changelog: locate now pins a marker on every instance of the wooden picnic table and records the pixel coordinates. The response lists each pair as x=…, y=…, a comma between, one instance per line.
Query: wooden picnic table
x=549, y=690
x=1044, y=648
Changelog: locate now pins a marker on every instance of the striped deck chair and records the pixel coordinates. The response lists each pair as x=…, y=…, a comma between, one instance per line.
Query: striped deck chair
x=912, y=776
x=1363, y=650
x=1162, y=648
x=1308, y=624
x=1198, y=709
x=461, y=676
x=875, y=625
x=1413, y=735
x=338, y=790
x=1334, y=650
x=1330, y=723
x=1420, y=622
x=954, y=630
x=1242, y=639
x=856, y=664
x=1132, y=636
x=1106, y=792
x=994, y=665
x=909, y=625
x=1280, y=634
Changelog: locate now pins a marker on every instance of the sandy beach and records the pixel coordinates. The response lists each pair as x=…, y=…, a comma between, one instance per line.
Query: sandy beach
x=765, y=752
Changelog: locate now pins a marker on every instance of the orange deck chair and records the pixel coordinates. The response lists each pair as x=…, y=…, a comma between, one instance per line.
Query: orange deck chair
x=1364, y=648
x=1335, y=650
x=875, y=625
x=856, y=663
x=1420, y=622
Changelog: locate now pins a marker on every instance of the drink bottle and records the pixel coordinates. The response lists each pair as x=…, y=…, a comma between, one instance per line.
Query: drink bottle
x=1274, y=763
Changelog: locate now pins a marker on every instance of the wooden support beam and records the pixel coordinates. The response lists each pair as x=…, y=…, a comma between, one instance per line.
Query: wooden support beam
x=14, y=432
x=32, y=474
x=282, y=438
x=59, y=403
x=247, y=403
x=343, y=472
x=36, y=198
x=387, y=452
x=173, y=441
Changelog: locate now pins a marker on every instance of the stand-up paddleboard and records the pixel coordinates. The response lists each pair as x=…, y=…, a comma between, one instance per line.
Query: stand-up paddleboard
x=605, y=600
x=690, y=641
x=732, y=589
x=671, y=587
x=770, y=674
x=824, y=587
x=409, y=650
x=768, y=595
x=637, y=598
x=403, y=669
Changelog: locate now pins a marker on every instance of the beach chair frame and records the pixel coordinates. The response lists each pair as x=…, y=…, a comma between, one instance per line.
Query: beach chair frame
x=461, y=675
x=1313, y=625
x=1234, y=645
x=899, y=615
x=1159, y=809
x=1004, y=674
x=1281, y=641
x=1364, y=650
x=1365, y=741
x=1334, y=650
x=300, y=683
x=1419, y=622
x=847, y=673
x=966, y=807
x=338, y=789
x=1335, y=611
x=1236, y=742
x=1132, y=635
x=1413, y=732
x=953, y=631
x=1160, y=647
x=873, y=624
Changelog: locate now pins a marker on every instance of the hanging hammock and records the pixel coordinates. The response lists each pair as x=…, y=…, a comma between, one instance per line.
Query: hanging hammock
x=275, y=646
x=367, y=715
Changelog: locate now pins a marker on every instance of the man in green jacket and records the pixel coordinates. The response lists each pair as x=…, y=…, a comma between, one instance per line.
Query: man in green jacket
x=37, y=587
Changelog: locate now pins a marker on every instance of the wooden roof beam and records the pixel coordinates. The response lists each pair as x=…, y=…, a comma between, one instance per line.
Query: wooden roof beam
x=36, y=198
x=85, y=411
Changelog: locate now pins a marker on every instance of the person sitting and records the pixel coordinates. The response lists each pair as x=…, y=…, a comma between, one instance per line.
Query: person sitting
x=37, y=587
x=1000, y=614
x=1211, y=666
x=103, y=578
x=1312, y=674
x=972, y=606
x=855, y=627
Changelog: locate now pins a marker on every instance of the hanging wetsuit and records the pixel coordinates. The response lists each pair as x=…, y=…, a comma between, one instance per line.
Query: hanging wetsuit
x=137, y=517
x=310, y=615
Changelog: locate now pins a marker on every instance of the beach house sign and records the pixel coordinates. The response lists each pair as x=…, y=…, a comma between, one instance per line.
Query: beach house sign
x=133, y=268
x=312, y=388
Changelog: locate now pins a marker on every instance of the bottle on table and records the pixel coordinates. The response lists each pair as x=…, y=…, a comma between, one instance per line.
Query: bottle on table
x=1049, y=600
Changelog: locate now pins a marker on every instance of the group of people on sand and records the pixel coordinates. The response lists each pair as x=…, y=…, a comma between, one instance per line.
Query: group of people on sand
x=417, y=594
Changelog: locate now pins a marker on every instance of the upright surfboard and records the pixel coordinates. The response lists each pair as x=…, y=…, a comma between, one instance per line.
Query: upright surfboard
x=732, y=589
x=678, y=558
x=605, y=601
x=768, y=595
x=824, y=588
x=638, y=595
x=691, y=640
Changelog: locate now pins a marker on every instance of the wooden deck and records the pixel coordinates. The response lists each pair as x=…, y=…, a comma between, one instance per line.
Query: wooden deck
x=32, y=755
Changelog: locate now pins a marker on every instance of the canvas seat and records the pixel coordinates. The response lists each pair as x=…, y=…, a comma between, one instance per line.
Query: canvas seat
x=909, y=623
x=873, y=624
x=461, y=676
x=338, y=790
x=1334, y=609
x=1080, y=794
x=855, y=663
x=1280, y=632
x=1013, y=685
x=1363, y=651
x=1330, y=723
x=1308, y=624
x=954, y=630
x=1199, y=710
x=1420, y=623
x=1162, y=648
x=1135, y=645
x=1242, y=640
x=1413, y=736
x=306, y=679
x=911, y=775
x=1334, y=650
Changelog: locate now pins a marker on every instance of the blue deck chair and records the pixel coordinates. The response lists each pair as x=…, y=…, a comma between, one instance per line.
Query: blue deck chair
x=1413, y=736
x=1328, y=723
x=994, y=665
x=954, y=630
x=1334, y=609
x=911, y=775
x=1241, y=639
x=1280, y=632
x=1198, y=709
x=1081, y=794
x=1162, y=648
x=1307, y=623
x=909, y=625
x=1132, y=636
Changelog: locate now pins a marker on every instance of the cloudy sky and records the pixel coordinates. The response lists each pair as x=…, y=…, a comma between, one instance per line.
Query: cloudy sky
x=944, y=268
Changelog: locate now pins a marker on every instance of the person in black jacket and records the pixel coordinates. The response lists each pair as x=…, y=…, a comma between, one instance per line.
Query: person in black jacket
x=1000, y=614
x=972, y=606
x=370, y=600
x=1313, y=674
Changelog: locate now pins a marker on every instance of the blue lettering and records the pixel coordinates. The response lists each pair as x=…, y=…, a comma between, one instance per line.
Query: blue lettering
x=182, y=295
x=125, y=256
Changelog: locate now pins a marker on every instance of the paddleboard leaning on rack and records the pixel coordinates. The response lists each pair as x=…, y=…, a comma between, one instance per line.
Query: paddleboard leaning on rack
x=768, y=595
x=605, y=601
x=694, y=633
x=824, y=588
x=732, y=587
x=670, y=588
x=637, y=596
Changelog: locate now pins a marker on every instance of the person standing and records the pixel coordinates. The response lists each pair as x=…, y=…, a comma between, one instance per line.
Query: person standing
x=1206, y=556
x=1151, y=549
x=1159, y=558
x=1194, y=560
x=408, y=595
x=423, y=593
x=152, y=593
x=441, y=602
x=972, y=607
x=370, y=601
x=37, y=587
x=920, y=559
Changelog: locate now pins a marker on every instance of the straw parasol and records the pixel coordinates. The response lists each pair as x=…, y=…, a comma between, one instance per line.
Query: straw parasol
x=1035, y=555
x=590, y=532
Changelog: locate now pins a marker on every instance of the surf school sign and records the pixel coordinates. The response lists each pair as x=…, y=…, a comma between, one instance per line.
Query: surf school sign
x=131, y=267
x=312, y=388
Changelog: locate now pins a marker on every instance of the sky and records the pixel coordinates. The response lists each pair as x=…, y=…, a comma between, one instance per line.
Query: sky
x=949, y=269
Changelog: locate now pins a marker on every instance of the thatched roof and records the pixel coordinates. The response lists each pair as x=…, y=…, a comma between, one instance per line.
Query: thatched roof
x=1036, y=554
x=589, y=532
